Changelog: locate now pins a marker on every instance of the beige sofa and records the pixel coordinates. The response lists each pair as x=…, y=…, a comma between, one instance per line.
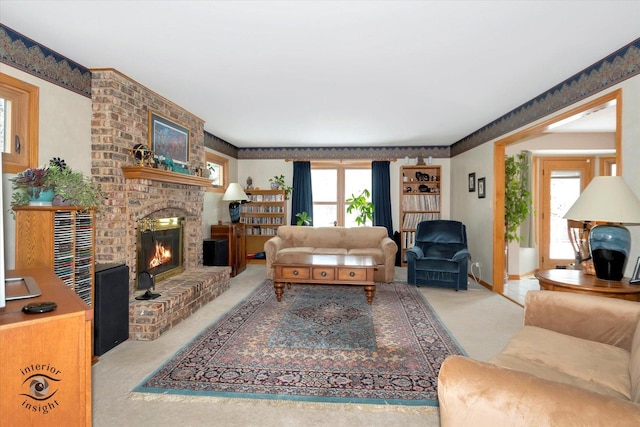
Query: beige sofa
x=372, y=241
x=576, y=362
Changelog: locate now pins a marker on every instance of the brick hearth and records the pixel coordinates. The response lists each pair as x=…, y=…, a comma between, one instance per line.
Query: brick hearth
x=180, y=296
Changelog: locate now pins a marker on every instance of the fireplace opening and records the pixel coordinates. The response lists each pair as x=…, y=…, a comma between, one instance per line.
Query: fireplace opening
x=160, y=247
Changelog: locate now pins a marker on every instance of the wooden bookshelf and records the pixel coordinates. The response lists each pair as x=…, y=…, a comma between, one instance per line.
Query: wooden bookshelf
x=420, y=200
x=266, y=211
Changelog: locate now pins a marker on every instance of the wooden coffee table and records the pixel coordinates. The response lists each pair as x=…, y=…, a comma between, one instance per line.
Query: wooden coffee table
x=578, y=282
x=324, y=270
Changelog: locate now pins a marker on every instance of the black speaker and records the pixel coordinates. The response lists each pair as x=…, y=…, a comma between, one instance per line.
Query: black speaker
x=215, y=252
x=110, y=307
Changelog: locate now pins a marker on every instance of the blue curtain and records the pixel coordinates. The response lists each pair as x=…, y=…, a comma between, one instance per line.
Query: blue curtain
x=381, y=195
x=301, y=196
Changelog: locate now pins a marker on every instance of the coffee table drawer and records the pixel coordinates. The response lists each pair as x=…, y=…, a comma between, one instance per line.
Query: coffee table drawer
x=295, y=273
x=323, y=273
x=351, y=274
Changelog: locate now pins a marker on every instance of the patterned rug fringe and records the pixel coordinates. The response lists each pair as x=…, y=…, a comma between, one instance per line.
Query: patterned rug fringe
x=355, y=407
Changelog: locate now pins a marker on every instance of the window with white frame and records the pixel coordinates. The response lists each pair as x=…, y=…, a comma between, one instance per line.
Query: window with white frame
x=333, y=182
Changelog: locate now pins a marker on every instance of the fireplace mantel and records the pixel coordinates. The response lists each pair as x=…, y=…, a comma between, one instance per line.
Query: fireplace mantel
x=145, y=172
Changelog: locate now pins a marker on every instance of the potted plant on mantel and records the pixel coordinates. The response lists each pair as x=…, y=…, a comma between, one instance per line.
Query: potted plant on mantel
x=65, y=187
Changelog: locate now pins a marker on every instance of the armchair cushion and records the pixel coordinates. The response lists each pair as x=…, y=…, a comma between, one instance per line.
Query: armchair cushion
x=575, y=362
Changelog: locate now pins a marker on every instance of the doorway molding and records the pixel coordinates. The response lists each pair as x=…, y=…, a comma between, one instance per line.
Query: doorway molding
x=499, y=151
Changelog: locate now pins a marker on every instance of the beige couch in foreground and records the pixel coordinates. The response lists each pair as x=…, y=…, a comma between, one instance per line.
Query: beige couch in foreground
x=576, y=362
x=372, y=241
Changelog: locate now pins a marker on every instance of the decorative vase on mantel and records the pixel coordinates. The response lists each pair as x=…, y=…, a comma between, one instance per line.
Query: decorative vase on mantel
x=39, y=196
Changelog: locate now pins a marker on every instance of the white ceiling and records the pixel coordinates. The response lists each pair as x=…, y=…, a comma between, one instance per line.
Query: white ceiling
x=335, y=73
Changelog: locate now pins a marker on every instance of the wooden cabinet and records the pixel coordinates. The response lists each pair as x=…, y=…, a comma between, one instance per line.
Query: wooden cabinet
x=262, y=216
x=419, y=201
x=61, y=238
x=45, y=359
x=236, y=241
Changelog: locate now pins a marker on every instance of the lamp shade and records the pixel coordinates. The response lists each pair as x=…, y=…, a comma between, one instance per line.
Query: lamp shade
x=234, y=193
x=606, y=199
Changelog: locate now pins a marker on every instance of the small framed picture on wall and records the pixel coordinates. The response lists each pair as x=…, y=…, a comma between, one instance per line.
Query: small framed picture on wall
x=472, y=182
x=481, y=188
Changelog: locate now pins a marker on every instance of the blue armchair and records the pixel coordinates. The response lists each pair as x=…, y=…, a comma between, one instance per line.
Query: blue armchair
x=440, y=256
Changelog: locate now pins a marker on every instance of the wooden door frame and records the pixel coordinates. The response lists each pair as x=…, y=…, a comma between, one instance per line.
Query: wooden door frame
x=499, y=150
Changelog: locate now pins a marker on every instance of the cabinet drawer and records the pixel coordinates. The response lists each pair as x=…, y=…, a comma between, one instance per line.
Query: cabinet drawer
x=323, y=273
x=295, y=273
x=351, y=274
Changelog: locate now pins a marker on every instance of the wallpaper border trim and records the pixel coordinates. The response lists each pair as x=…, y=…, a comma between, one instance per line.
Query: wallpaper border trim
x=613, y=69
x=27, y=55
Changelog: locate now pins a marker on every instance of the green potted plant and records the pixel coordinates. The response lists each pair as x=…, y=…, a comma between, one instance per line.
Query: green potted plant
x=67, y=187
x=33, y=186
x=277, y=182
x=303, y=218
x=517, y=202
x=362, y=205
x=517, y=199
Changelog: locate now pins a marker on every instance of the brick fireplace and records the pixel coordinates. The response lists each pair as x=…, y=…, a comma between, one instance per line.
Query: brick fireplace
x=120, y=118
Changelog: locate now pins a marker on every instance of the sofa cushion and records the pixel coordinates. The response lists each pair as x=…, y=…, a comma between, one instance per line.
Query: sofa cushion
x=558, y=357
x=376, y=253
x=297, y=250
x=332, y=237
x=634, y=366
x=330, y=251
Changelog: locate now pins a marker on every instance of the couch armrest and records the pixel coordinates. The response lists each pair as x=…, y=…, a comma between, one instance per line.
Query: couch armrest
x=606, y=320
x=474, y=393
x=461, y=255
x=271, y=248
x=389, y=248
x=414, y=252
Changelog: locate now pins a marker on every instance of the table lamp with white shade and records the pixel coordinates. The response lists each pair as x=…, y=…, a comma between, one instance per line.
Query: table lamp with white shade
x=236, y=196
x=609, y=200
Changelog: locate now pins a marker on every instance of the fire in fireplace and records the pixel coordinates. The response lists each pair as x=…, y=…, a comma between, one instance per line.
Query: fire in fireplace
x=159, y=247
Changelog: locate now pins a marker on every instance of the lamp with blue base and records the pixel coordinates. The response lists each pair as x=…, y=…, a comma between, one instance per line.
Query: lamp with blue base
x=236, y=196
x=610, y=201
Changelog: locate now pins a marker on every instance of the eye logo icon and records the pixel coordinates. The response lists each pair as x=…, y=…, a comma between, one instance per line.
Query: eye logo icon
x=41, y=387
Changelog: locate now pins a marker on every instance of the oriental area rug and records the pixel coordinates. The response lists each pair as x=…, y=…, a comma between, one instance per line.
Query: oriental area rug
x=319, y=344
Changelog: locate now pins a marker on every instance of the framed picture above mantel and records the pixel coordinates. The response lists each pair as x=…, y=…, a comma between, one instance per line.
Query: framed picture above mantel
x=168, y=139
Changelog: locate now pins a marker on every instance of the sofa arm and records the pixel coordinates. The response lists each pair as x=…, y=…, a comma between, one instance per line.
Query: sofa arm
x=414, y=253
x=271, y=248
x=461, y=255
x=474, y=393
x=389, y=249
x=606, y=320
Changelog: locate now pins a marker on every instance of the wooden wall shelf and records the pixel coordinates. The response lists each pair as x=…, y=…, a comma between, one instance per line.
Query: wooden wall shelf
x=146, y=172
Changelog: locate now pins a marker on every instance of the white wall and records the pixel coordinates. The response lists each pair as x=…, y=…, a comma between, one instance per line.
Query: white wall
x=475, y=213
x=478, y=214
x=64, y=131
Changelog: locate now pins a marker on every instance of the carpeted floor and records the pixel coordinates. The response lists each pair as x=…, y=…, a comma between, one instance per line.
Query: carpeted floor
x=320, y=344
